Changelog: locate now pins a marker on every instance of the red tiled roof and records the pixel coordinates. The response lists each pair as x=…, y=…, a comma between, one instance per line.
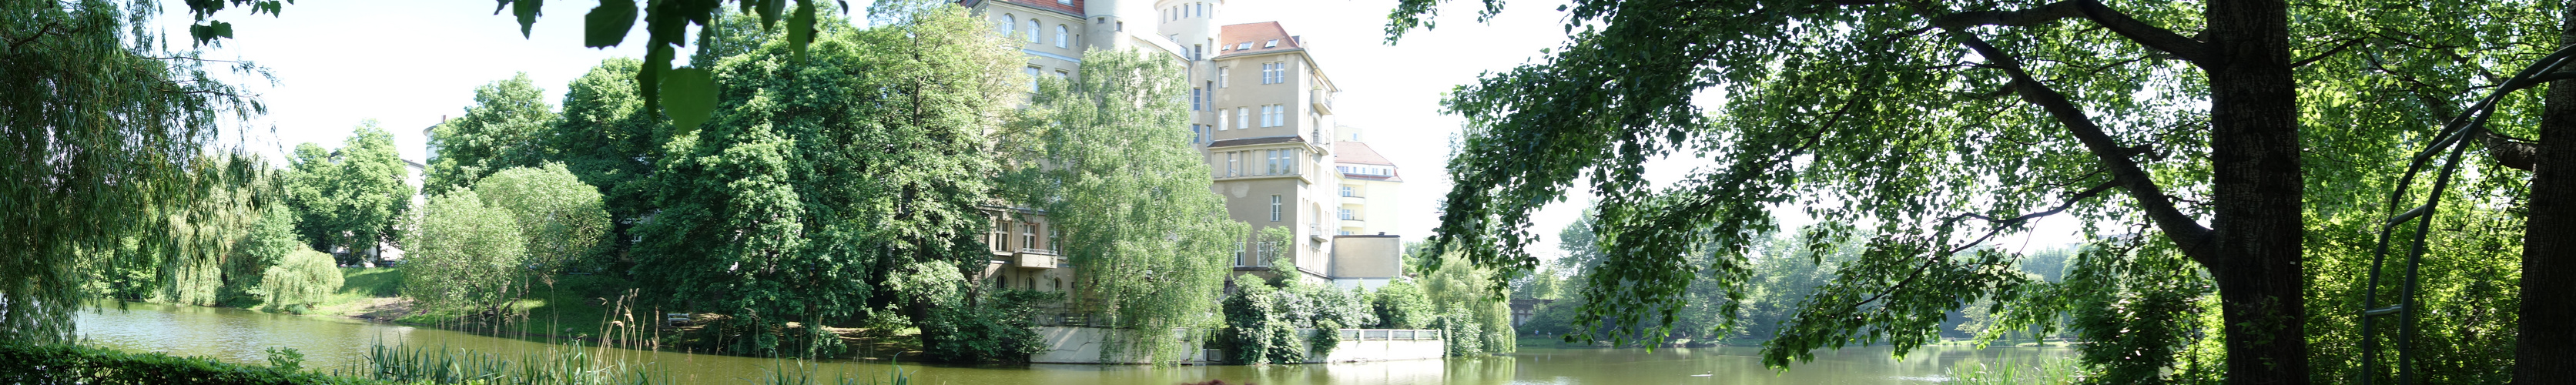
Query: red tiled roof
x=1258, y=37
x=1354, y=152
x=1074, y=8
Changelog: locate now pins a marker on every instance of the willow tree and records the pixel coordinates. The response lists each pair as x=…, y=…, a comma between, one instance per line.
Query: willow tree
x=1105, y=157
x=101, y=124
x=1932, y=127
x=823, y=172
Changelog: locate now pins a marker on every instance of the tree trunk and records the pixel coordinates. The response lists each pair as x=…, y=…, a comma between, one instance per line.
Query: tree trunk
x=2545, y=348
x=2257, y=187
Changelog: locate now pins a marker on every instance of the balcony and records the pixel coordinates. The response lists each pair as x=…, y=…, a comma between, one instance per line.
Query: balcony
x=1034, y=259
x=1354, y=223
x=1323, y=101
x=1354, y=200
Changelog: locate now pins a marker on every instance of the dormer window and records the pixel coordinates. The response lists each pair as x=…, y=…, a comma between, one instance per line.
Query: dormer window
x=1271, y=44
x=1243, y=46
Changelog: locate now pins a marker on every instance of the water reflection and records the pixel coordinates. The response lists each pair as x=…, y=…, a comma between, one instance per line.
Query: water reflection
x=239, y=336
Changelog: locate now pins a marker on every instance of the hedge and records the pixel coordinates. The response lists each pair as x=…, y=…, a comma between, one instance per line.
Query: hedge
x=71, y=364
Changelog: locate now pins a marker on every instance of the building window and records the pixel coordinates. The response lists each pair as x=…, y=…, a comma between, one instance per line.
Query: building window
x=1055, y=241
x=1034, y=26
x=1063, y=37
x=1001, y=239
x=1221, y=120
x=1272, y=43
x=1232, y=165
x=1346, y=191
x=1008, y=21
x=1062, y=75
x=1221, y=77
x=1197, y=51
x=1122, y=26
x=1273, y=115
x=1211, y=92
x=1242, y=117
x=1064, y=2
x=1346, y=215
x=1195, y=98
x=1274, y=208
x=1194, y=134
x=1270, y=73
x=1029, y=236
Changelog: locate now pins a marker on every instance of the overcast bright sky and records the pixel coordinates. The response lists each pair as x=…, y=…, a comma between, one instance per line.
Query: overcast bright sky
x=409, y=63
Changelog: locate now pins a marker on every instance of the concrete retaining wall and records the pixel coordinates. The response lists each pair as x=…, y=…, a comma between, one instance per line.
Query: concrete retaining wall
x=1081, y=345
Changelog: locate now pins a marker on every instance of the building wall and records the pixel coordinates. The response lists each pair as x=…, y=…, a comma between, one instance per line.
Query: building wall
x=1368, y=256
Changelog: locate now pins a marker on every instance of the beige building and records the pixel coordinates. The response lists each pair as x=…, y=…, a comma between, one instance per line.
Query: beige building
x=1262, y=113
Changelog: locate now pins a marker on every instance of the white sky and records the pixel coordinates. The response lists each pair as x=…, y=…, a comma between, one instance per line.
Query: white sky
x=407, y=64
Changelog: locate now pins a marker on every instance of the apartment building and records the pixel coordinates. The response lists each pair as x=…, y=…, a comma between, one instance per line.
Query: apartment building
x=1261, y=112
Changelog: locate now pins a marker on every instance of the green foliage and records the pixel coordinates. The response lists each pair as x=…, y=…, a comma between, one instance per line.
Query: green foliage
x=71, y=364
x=1105, y=158
x=1475, y=319
x=506, y=127
x=1401, y=305
x=569, y=365
x=605, y=137
x=354, y=197
x=2148, y=119
x=104, y=127
x=465, y=255
x=302, y=278
x=816, y=179
x=1286, y=325
x=268, y=243
x=560, y=217
x=994, y=327
x=285, y=359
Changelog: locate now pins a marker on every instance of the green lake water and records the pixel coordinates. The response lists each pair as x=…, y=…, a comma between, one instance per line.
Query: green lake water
x=330, y=343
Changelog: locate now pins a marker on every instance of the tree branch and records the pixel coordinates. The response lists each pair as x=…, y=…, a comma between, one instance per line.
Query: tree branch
x=2509, y=151
x=2120, y=23
x=2152, y=200
x=2347, y=44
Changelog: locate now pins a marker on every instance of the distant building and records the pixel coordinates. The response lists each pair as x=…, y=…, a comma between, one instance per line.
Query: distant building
x=1262, y=115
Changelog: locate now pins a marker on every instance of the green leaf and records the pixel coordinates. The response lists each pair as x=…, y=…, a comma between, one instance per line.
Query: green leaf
x=800, y=29
x=655, y=63
x=769, y=10
x=210, y=31
x=607, y=24
x=527, y=10
x=689, y=96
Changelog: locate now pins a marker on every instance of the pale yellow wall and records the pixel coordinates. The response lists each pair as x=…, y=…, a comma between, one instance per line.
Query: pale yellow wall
x=1367, y=256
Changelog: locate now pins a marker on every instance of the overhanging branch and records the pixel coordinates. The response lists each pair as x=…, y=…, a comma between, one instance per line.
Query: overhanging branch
x=2152, y=200
x=2146, y=34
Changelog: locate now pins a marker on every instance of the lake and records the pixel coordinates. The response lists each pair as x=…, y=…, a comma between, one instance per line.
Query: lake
x=236, y=335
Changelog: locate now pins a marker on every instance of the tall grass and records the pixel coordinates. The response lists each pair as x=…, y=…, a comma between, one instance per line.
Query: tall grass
x=2052, y=372
x=572, y=365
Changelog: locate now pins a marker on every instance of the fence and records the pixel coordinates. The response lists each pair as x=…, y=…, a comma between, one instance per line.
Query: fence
x=1390, y=335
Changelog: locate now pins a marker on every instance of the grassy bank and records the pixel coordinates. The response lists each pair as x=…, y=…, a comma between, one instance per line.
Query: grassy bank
x=575, y=306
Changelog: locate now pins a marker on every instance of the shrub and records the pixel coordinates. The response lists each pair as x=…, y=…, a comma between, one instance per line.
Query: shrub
x=561, y=219
x=466, y=254
x=301, y=278
x=70, y=364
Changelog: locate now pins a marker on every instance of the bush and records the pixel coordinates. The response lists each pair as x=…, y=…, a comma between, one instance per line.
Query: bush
x=301, y=278
x=994, y=329
x=465, y=254
x=560, y=218
x=70, y=364
x=1401, y=305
